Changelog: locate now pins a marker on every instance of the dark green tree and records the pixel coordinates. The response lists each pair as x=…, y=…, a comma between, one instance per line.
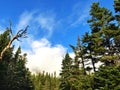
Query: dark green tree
x=13, y=72
x=100, y=42
x=65, y=75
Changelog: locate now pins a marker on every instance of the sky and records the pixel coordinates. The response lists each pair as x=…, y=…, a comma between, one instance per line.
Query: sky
x=53, y=25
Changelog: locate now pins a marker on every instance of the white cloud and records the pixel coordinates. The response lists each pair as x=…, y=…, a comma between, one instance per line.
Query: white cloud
x=72, y=55
x=80, y=20
x=37, y=21
x=41, y=54
x=25, y=19
x=47, y=22
x=45, y=57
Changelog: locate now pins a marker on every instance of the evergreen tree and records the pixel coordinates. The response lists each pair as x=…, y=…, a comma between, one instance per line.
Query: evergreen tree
x=45, y=81
x=66, y=73
x=100, y=43
x=4, y=39
x=79, y=78
x=13, y=73
x=89, y=55
x=107, y=78
x=79, y=52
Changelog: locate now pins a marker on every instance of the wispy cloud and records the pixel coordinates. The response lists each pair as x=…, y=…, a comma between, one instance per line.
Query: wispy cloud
x=25, y=19
x=45, y=57
x=79, y=13
x=47, y=22
x=44, y=21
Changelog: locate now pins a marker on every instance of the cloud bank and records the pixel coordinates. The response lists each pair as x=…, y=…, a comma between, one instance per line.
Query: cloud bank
x=41, y=54
x=45, y=57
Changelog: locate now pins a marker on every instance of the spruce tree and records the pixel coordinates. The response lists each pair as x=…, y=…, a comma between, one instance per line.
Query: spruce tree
x=65, y=74
x=100, y=42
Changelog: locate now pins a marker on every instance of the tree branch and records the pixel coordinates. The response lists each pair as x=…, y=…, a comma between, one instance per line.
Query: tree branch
x=20, y=34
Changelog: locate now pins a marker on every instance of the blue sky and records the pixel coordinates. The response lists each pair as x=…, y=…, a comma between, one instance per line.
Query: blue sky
x=54, y=24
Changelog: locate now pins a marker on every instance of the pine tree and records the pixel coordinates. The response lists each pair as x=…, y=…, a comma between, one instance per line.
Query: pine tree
x=79, y=78
x=66, y=73
x=37, y=80
x=21, y=74
x=14, y=74
x=45, y=81
x=100, y=43
x=79, y=52
x=89, y=55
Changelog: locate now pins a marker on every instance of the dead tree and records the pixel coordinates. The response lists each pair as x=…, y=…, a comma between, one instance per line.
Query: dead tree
x=20, y=34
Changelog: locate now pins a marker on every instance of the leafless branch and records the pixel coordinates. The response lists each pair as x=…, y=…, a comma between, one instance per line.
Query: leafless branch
x=20, y=34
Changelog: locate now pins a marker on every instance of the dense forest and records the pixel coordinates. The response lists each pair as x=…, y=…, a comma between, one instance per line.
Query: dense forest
x=96, y=65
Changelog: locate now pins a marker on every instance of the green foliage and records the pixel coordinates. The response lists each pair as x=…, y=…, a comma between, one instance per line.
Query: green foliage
x=117, y=5
x=103, y=45
x=4, y=39
x=73, y=74
x=13, y=73
x=107, y=78
x=45, y=81
x=66, y=73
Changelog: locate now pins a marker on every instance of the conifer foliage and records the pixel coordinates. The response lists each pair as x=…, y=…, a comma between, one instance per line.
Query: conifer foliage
x=45, y=81
x=66, y=73
x=13, y=73
x=101, y=45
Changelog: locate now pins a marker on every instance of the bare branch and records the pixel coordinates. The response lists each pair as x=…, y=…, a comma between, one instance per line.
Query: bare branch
x=20, y=34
